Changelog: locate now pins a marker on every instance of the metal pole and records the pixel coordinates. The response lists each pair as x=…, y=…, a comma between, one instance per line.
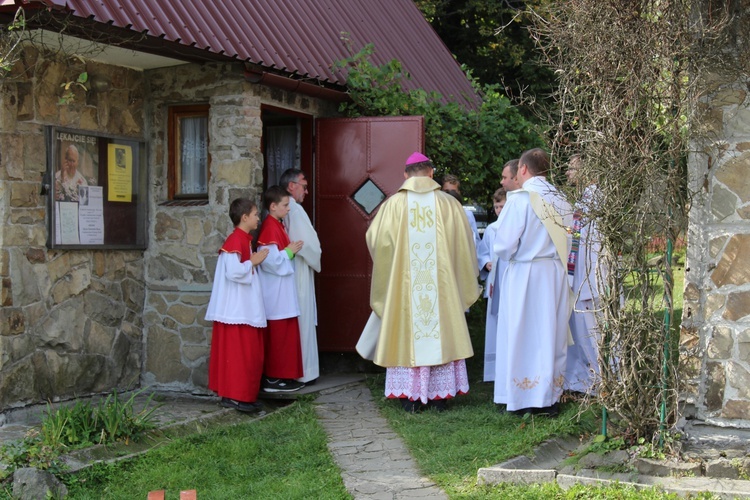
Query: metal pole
x=667, y=343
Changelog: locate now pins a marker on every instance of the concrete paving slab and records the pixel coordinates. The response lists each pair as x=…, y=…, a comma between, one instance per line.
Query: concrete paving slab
x=375, y=463
x=497, y=475
x=723, y=488
x=525, y=470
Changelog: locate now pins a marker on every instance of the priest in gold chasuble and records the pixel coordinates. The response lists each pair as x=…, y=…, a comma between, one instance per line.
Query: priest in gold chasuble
x=424, y=278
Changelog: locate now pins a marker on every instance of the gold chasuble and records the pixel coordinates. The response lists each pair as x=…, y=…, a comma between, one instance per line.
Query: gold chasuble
x=424, y=276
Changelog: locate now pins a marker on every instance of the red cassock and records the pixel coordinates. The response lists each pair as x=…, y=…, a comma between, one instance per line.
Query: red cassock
x=236, y=364
x=283, y=349
x=237, y=351
x=283, y=358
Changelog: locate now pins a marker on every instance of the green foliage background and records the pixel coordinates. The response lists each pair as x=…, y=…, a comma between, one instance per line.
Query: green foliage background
x=493, y=39
x=472, y=144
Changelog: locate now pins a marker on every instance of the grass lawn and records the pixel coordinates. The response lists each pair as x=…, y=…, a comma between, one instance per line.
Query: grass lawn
x=281, y=456
x=450, y=447
x=285, y=456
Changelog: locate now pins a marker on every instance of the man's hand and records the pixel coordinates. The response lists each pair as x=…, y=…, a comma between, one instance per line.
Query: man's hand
x=259, y=256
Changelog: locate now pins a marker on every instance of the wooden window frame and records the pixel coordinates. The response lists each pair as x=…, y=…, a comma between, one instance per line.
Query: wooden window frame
x=176, y=113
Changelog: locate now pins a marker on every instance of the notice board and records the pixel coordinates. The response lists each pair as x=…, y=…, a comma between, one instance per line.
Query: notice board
x=97, y=190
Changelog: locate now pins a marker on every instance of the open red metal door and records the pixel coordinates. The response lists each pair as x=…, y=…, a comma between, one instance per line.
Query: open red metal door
x=359, y=161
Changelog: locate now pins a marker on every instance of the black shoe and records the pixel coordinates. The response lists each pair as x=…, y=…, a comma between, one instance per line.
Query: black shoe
x=281, y=385
x=311, y=382
x=241, y=405
x=438, y=405
x=411, y=406
x=249, y=407
x=552, y=411
x=522, y=411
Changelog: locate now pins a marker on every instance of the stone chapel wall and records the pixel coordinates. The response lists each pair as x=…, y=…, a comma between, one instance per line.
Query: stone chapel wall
x=77, y=322
x=184, y=240
x=71, y=320
x=715, y=337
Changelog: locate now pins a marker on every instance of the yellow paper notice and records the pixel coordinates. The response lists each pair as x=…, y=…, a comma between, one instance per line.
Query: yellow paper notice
x=120, y=173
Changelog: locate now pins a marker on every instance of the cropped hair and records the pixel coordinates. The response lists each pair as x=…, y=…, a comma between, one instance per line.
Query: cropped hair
x=536, y=160
x=240, y=207
x=513, y=166
x=417, y=168
x=499, y=195
x=452, y=179
x=290, y=175
x=274, y=194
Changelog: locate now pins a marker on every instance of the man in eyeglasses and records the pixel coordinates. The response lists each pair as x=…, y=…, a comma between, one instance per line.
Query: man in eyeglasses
x=306, y=261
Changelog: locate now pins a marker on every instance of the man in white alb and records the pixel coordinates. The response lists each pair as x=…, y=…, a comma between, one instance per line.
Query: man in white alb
x=582, y=371
x=535, y=295
x=307, y=262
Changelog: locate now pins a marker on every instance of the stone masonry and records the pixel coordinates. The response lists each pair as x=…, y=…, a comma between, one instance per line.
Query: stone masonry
x=77, y=322
x=70, y=321
x=715, y=337
x=183, y=241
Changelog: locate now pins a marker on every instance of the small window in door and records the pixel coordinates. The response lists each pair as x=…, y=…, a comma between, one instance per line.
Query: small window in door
x=188, y=152
x=369, y=196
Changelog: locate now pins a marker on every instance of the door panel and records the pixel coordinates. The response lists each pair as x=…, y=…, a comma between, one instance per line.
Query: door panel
x=349, y=151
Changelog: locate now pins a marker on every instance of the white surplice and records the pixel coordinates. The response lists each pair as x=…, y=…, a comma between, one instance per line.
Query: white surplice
x=306, y=262
x=485, y=254
x=236, y=297
x=582, y=369
x=534, y=295
x=279, y=290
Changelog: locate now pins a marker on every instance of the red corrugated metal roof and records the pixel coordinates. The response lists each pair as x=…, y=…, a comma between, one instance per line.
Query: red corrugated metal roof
x=300, y=37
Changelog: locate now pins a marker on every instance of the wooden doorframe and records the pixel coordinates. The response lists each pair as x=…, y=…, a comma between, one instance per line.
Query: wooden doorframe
x=307, y=165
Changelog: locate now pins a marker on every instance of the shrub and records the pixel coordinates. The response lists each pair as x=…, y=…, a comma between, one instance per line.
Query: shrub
x=472, y=144
x=79, y=426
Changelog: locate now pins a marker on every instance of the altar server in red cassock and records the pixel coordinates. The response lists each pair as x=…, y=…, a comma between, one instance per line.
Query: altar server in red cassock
x=283, y=362
x=236, y=308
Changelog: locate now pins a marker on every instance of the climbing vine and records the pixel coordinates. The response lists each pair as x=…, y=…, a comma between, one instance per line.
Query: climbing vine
x=630, y=75
x=11, y=35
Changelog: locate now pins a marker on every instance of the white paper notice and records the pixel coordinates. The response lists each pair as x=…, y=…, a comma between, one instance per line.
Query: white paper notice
x=66, y=228
x=91, y=215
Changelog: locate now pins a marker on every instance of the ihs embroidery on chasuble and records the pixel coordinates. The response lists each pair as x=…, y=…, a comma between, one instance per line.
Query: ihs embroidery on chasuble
x=421, y=218
x=425, y=310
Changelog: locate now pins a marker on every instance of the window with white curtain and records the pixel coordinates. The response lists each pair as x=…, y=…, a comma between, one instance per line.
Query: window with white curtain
x=188, y=151
x=282, y=151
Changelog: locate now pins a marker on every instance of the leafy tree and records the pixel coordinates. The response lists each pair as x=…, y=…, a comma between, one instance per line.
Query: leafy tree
x=471, y=144
x=491, y=38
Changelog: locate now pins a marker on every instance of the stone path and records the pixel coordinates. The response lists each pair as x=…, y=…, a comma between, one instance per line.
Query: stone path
x=374, y=462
